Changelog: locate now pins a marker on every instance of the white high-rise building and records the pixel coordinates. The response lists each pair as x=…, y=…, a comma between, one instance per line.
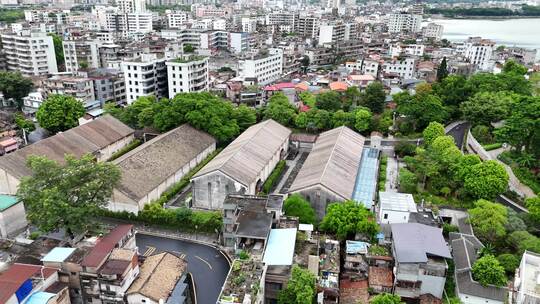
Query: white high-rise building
x=238, y=42
x=31, y=53
x=80, y=53
x=188, y=74
x=433, y=30
x=131, y=6
x=265, y=67
x=478, y=51
x=403, y=22
x=176, y=19
x=145, y=76
x=249, y=25
x=404, y=68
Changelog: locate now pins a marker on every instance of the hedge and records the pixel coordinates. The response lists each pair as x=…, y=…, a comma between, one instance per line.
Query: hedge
x=274, y=177
x=490, y=147
x=382, y=173
x=132, y=145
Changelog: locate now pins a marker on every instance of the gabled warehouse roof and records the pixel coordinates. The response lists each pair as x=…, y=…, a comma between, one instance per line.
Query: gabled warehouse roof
x=244, y=158
x=149, y=165
x=88, y=138
x=333, y=162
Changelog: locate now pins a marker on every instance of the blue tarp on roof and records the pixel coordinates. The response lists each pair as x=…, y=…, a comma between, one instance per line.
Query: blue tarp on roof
x=354, y=247
x=366, y=179
x=280, y=247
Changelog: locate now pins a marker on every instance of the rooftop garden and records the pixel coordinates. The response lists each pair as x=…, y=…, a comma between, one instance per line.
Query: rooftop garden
x=189, y=59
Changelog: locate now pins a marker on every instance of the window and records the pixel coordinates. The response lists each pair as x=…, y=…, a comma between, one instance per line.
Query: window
x=386, y=216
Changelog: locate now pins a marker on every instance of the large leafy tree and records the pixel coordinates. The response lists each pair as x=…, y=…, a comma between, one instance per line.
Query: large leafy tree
x=487, y=107
x=300, y=288
x=280, y=109
x=386, y=298
x=15, y=86
x=420, y=109
x=245, y=117
x=58, y=49
x=342, y=118
x=488, y=271
x=362, y=119
x=442, y=70
x=533, y=205
x=66, y=195
x=347, y=218
x=432, y=131
x=486, y=180
x=488, y=220
x=59, y=113
x=296, y=205
x=329, y=101
x=452, y=90
x=374, y=97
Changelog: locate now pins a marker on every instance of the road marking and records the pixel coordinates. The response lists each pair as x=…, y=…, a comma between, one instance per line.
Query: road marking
x=209, y=266
x=149, y=251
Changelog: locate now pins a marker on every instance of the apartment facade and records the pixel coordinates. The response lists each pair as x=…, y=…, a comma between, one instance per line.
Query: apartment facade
x=403, y=22
x=176, y=19
x=145, y=76
x=80, y=54
x=266, y=68
x=479, y=52
x=433, y=31
x=31, y=53
x=81, y=88
x=186, y=75
x=404, y=68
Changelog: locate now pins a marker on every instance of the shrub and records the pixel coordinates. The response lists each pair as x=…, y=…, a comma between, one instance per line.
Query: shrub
x=490, y=147
x=243, y=255
x=482, y=134
x=404, y=148
x=509, y=261
x=274, y=177
x=132, y=145
x=488, y=271
x=407, y=181
x=296, y=205
x=447, y=228
x=528, y=178
x=34, y=235
x=378, y=250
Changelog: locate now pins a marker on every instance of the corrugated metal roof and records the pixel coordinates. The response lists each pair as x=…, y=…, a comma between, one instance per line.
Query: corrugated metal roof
x=333, y=162
x=244, y=158
x=58, y=254
x=366, y=179
x=146, y=167
x=106, y=245
x=413, y=242
x=280, y=247
x=88, y=138
x=16, y=275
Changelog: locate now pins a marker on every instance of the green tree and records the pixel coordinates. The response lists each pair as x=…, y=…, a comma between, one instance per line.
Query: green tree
x=23, y=123
x=523, y=240
x=407, y=181
x=374, y=97
x=482, y=134
x=342, y=118
x=533, y=205
x=487, y=107
x=59, y=113
x=188, y=48
x=15, y=86
x=488, y=271
x=347, y=218
x=301, y=120
x=432, y=131
x=307, y=98
x=244, y=116
x=329, y=101
x=362, y=119
x=442, y=70
x=488, y=220
x=300, y=288
x=420, y=109
x=296, y=205
x=509, y=262
x=58, y=49
x=386, y=298
x=511, y=66
x=352, y=97
x=486, y=180
x=66, y=196
x=280, y=109
x=452, y=90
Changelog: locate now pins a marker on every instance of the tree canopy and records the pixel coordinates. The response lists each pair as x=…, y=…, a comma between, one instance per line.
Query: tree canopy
x=59, y=113
x=488, y=220
x=300, y=288
x=386, y=298
x=66, y=196
x=296, y=205
x=432, y=131
x=15, y=86
x=347, y=218
x=374, y=97
x=485, y=108
x=486, y=180
x=280, y=109
x=488, y=271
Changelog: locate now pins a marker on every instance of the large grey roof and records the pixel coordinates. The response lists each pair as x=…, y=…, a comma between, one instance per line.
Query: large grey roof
x=465, y=254
x=333, y=162
x=244, y=158
x=147, y=166
x=413, y=242
x=88, y=138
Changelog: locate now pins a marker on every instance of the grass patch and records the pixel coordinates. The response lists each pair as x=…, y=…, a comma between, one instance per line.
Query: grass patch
x=132, y=145
x=494, y=146
x=274, y=177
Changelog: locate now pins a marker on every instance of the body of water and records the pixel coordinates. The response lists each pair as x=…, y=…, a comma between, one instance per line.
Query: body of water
x=510, y=32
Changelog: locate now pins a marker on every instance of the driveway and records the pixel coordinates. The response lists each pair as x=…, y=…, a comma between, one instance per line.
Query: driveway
x=458, y=132
x=207, y=265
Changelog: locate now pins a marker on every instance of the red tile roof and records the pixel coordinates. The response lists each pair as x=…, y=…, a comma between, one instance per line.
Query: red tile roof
x=104, y=246
x=380, y=276
x=279, y=86
x=16, y=275
x=353, y=292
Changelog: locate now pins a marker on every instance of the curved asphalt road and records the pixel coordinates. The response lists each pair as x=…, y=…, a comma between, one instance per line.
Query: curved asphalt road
x=458, y=133
x=208, y=266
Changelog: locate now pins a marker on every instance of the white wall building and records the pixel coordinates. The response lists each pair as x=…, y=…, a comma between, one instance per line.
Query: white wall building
x=266, y=68
x=405, y=68
x=175, y=19
x=406, y=49
x=479, y=51
x=31, y=53
x=145, y=76
x=433, y=30
x=238, y=42
x=395, y=207
x=249, y=25
x=186, y=75
x=12, y=216
x=402, y=22
x=527, y=280
x=131, y=6
x=77, y=53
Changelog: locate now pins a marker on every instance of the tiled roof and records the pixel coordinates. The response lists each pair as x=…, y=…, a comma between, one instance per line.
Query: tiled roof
x=105, y=246
x=16, y=275
x=414, y=242
x=245, y=158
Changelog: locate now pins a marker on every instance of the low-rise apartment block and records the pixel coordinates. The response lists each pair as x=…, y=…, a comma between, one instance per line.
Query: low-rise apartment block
x=31, y=53
x=187, y=74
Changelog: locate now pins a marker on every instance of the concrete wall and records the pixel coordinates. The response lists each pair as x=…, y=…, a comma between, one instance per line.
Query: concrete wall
x=109, y=150
x=12, y=220
x=468, y=299
x=393, y=217
x=8, y=183
x=319, y=198
x=432, y=284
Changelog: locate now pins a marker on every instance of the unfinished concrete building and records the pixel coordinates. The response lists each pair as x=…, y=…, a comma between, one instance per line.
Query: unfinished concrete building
x=330, y=171
x=242, y=167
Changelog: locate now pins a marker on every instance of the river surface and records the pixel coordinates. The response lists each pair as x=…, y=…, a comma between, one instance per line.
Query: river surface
x=510, y=32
